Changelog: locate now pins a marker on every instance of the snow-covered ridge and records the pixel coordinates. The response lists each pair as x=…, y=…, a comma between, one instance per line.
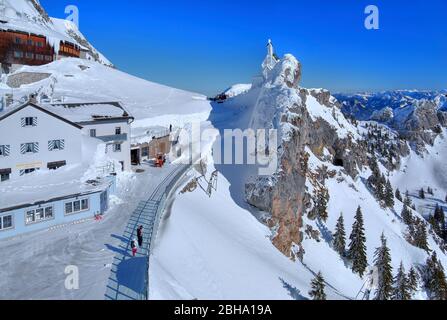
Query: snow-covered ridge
x=237, y=89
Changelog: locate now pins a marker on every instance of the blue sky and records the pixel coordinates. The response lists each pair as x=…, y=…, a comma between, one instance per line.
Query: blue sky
x=205, y=46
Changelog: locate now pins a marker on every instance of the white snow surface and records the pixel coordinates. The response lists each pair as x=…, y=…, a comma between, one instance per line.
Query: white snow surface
x=237, y=89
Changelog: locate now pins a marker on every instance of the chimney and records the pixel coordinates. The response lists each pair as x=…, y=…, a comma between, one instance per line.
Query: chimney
x=33, y=98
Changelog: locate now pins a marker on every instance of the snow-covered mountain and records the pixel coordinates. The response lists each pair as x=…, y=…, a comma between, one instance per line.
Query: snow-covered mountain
x=328, y=166
x=29, y=16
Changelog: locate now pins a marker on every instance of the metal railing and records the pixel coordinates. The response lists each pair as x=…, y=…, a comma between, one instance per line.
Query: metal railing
x=167, y=190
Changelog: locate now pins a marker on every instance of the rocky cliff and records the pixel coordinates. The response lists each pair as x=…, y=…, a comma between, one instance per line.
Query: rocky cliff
x=309, y=121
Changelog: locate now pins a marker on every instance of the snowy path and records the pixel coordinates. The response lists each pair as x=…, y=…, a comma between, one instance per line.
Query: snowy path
x=129, y=275
x=32, y=266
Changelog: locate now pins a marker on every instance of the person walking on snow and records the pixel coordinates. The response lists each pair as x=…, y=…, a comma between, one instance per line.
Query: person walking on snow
x=140, y=236
x=133, y=245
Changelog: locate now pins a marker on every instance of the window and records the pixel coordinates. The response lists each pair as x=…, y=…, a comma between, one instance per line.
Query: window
x=39, y=56
x=117, y=147
x=145, y=152
x=18, y=54
x=77, y=206
x=56, y=145
x=31, y=147
x=18, y=40
x=4, y=150
x=39, y=215
x=48, y=58
x=93, y=133
x=28, y=171
x=6, y=222
x=49, y=213
x=39, y=44
x=69, y=208
x=5, y=174
x=118, y=130
x=30, y=55
x=84, y=204
x=29, y=122
x=30, y=42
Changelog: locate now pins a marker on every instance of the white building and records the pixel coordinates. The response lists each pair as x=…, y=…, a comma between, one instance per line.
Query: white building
x=107, y=121
x=34, y=138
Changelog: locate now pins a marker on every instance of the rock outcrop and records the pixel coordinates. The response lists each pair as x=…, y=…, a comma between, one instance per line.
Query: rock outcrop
x=309, y=120
x=420, y=124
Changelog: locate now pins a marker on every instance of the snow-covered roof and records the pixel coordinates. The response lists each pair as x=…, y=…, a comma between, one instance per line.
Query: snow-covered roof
x=87, y=112
x=46, y=185
x=10, y=111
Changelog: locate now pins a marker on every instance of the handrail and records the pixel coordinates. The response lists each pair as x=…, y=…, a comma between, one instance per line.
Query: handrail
x=160, y=210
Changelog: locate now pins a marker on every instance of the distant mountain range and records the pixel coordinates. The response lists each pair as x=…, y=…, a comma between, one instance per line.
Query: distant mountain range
x=364, y=106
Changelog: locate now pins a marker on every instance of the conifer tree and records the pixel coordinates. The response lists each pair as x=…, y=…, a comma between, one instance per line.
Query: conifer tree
x=318, y=286
x=402, y=290
x=407, y=216
x=413, y=280
x=382, y=260
x=434, y=279
x=322, y=203
x=339, y=241
x=407, y=200
x=422, y=194
x=439, y=218
x=357, y=246
x=435, y=225
x=399, y=195
x=389, y=195
x=420, y=236
x=381, y=190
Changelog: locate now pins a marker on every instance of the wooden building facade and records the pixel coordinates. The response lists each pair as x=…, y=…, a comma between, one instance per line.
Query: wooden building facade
x=150, y=150
x=20, y=48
